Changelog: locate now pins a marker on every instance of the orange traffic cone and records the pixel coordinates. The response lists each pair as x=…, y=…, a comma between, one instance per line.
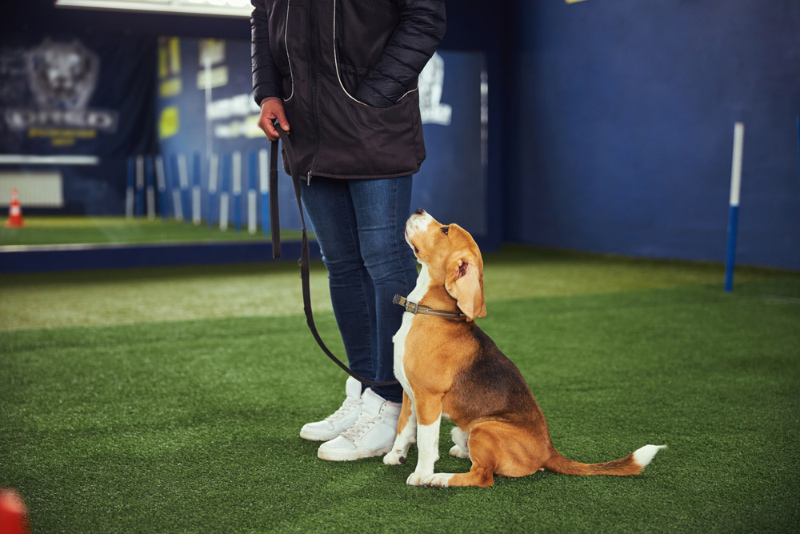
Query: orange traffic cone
x=13, y=515
x=15, y=212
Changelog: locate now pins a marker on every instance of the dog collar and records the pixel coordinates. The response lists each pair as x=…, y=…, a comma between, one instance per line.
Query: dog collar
x=415, y=308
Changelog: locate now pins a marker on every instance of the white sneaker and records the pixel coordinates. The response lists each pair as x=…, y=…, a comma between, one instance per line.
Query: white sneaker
x=338, y=421
x=372, y=434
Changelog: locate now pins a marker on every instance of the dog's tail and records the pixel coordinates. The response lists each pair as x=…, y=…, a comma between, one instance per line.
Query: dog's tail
x=633, y=464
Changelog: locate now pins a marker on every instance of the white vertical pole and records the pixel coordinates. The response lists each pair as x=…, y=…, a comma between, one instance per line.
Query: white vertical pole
x=225, y=185
x=177, y=204
x=196, y=205
x=237, y=190
x=252, y=199
x=237, y=173
x=736, y=166
x=151, y=192
x=151, y=203
x=223, y=211
x=139, y=183
x=161, y=183
x=263, y=174
x=213, y=173
x=129, y=191
x=183, y=173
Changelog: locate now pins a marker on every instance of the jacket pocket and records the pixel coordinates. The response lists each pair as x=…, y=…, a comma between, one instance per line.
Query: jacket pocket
x=349, y=79
x=365, y=141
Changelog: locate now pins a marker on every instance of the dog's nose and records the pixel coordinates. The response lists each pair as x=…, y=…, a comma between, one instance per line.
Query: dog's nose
x=420, y=211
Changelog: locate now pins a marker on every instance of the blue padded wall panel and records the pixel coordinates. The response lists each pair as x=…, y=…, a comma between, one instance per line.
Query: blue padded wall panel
x=623, y=127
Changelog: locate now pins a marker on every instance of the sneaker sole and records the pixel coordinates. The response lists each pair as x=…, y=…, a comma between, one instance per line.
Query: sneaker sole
x=349, y=456
x=313, y=437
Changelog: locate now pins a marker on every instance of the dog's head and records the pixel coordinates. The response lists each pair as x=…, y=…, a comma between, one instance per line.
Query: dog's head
x=452, y=258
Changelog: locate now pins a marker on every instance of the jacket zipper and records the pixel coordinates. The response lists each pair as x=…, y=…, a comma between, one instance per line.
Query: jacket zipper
x=313, y=44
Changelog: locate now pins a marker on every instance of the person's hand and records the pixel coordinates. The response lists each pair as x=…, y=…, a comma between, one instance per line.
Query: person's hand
x=271, y=109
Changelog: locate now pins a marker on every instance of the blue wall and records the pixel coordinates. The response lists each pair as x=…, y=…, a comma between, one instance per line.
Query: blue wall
x=622, y=127
x=610, y=121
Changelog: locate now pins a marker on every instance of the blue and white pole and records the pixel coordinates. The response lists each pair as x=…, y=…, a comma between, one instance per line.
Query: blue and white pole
x=237, y=191
x=129, y=195
x=733, y=214
x=196, y=176
x=183, y=176
x=224, y=203
x=252, y=195
x=162, y=187
x=177, y=203
x=263, y=173
x=150, y=185
x=139, y=186
x=213, y=178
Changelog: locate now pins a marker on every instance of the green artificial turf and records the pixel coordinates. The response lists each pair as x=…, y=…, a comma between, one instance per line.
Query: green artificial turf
x=65, y=230
x=89, y=298
x=192, y=426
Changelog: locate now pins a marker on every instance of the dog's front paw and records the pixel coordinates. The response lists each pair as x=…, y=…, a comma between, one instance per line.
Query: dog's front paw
x=458, y=452
x=395, y=457
x=417, y=479
x=439, y=480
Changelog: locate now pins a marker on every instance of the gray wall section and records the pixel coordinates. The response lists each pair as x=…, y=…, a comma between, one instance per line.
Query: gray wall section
x=622, y=127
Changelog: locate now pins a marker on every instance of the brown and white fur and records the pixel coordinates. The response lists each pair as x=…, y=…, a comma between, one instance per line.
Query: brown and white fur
x=451, y=368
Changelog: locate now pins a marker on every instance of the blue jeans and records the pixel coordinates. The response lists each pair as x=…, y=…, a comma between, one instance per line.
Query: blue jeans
x=360, y=228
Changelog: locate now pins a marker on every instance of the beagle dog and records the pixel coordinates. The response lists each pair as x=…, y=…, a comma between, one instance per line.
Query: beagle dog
x=449, y=367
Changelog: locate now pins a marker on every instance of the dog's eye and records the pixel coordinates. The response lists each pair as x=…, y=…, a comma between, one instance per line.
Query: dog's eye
x=445, y=229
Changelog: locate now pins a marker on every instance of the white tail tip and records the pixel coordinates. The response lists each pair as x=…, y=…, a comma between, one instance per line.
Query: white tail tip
x=645, y=455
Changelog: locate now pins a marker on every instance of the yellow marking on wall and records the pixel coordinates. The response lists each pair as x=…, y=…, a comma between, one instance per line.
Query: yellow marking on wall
x=168, y=122
x=62, y=141
x=170, y=87
x=54, y=132
x=574, y=1
x=174, y=55
x=61, y=137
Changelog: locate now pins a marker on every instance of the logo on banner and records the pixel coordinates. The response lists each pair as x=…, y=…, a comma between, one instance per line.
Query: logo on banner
x=62, y=77
x=431, y=82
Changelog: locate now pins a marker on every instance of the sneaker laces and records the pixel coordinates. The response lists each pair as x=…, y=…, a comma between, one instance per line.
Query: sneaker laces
x=346, y=406
x=360, y=427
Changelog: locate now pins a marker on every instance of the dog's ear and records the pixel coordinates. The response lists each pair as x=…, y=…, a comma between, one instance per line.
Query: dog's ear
x=464, y=282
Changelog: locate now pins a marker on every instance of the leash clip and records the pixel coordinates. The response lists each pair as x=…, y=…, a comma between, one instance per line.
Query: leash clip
x=411, y=307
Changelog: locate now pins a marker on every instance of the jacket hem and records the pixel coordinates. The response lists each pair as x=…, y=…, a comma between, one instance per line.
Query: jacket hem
x=362, y=177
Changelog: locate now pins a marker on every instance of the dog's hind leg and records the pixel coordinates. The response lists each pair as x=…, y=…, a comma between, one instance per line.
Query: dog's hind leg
x=461, y=440
x=406, y=433
x=483, y=447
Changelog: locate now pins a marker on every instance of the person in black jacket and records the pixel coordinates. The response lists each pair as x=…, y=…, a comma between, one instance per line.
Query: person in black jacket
x=341, y=77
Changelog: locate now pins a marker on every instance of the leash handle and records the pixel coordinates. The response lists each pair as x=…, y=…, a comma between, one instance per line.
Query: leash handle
x=305, y=261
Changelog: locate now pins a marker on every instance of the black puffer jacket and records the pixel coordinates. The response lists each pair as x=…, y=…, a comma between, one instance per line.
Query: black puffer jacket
x=347, y=73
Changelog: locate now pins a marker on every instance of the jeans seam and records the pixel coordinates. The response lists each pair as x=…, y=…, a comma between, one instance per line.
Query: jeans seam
x=352, y=229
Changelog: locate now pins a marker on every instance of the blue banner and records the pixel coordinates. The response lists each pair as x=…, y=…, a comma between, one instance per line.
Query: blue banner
x=88, y=95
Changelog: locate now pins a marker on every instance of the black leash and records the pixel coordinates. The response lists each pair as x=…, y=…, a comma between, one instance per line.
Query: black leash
x=275, y=230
